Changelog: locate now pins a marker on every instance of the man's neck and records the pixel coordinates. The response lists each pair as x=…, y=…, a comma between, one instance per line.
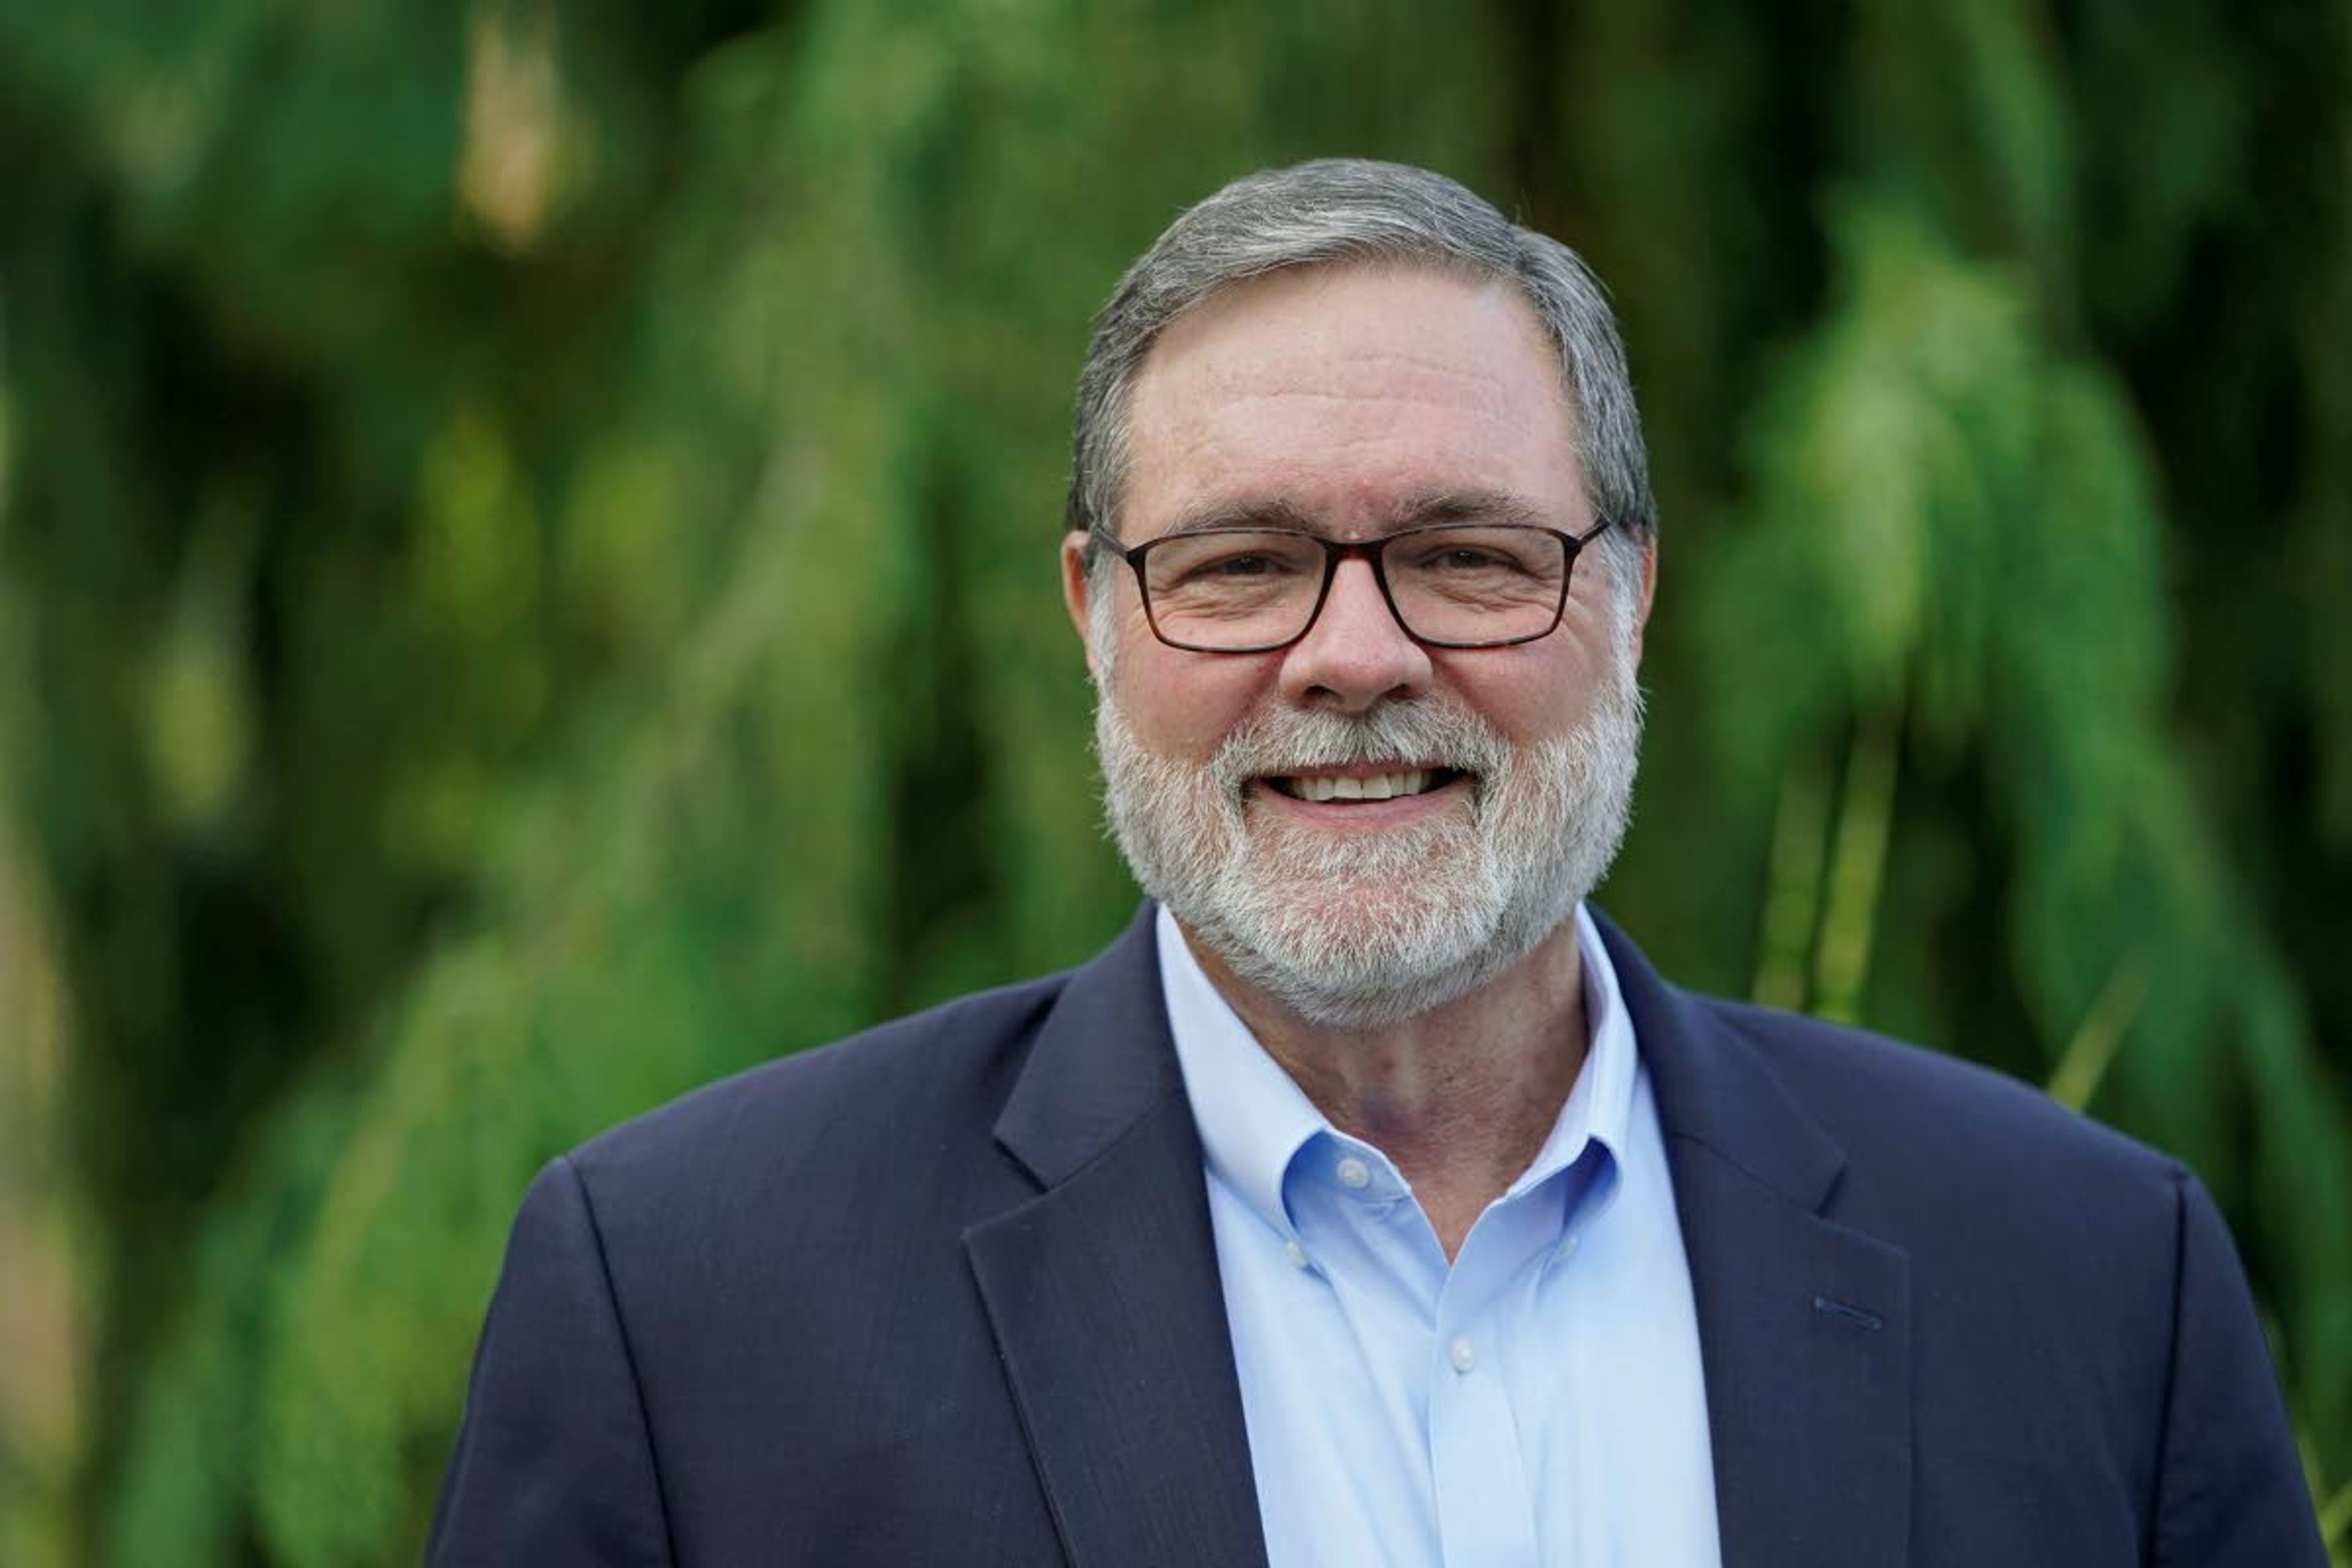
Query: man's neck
x=1461, y=1098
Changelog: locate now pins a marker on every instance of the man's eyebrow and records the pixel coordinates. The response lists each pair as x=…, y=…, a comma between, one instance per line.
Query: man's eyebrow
x=1273, y=512
x=1471, y=506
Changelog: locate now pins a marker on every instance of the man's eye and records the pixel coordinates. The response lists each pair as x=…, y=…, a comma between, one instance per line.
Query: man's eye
x=1239, y=566
x=1255, y=563
x=1472, y=561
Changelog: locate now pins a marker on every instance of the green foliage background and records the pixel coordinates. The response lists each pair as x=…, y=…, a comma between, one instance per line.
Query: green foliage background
x=526, y=583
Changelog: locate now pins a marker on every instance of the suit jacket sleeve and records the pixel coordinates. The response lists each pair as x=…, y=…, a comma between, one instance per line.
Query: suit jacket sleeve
x=554, y=1463
x=2230, y=1492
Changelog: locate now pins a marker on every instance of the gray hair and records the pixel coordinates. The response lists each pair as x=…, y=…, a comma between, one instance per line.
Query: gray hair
x=1336, y=211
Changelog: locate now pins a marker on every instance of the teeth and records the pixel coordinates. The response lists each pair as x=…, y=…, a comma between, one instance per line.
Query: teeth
x=1379, y=786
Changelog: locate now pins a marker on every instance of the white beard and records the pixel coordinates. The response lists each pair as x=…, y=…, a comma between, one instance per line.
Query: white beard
x=1361, y=929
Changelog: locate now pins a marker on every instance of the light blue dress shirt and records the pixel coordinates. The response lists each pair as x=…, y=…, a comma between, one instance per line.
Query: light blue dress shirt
x=1539, y=1402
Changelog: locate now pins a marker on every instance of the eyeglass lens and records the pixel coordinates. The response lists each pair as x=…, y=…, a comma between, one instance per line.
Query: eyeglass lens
x=1471, y=583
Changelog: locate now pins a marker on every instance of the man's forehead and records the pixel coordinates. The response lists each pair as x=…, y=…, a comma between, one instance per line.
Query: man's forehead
x=1351, y=394
x=1301, y=310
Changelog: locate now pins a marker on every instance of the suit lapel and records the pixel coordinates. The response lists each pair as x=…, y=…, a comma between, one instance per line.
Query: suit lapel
x=1804, y=1325
x=1103, y=1292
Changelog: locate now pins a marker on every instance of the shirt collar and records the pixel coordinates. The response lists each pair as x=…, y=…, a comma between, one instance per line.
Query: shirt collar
x=1254, y=1118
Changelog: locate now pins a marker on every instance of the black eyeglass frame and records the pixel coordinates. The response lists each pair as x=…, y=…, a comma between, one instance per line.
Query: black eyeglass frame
x=1370, y=551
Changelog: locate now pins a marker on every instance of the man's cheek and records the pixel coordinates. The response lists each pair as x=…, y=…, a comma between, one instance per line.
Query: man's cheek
x=1192, y=726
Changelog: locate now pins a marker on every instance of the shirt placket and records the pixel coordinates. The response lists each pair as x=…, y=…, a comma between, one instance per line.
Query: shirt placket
x=1486, y=1517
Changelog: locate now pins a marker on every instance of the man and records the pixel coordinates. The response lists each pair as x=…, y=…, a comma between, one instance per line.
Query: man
x=1369, y=1200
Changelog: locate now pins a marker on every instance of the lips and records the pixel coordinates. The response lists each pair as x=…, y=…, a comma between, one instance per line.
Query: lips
x=1320, y=787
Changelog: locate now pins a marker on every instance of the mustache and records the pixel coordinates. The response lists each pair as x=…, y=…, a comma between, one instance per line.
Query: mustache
x=1423, y=732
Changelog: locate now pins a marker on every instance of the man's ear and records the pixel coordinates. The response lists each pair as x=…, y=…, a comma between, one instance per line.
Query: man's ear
x=1078, y=591
x=1649, y=590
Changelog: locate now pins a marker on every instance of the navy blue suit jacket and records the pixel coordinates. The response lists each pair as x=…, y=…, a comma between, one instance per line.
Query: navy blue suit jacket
x=946, y=1293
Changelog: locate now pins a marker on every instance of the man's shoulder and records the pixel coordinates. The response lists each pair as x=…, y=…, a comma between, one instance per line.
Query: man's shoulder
x=922, y=1082
x=1941, y=1126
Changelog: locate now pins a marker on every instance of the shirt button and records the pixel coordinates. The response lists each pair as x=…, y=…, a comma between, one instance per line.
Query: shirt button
x=1295, y=1253
x=1354, y=1172
x=1464, y=1357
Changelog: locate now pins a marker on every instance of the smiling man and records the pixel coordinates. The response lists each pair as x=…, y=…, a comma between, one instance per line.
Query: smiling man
x=1369, y=1201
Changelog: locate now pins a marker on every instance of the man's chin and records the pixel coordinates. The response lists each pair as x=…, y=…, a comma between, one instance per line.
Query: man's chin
x=1355, y=948
x=1350, y=923
x=1410, y=862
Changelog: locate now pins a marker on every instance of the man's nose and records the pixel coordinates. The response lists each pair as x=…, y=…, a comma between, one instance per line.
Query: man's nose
x=1356, y=655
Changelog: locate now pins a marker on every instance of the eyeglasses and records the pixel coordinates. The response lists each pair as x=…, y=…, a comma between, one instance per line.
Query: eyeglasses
x=1449, y=585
